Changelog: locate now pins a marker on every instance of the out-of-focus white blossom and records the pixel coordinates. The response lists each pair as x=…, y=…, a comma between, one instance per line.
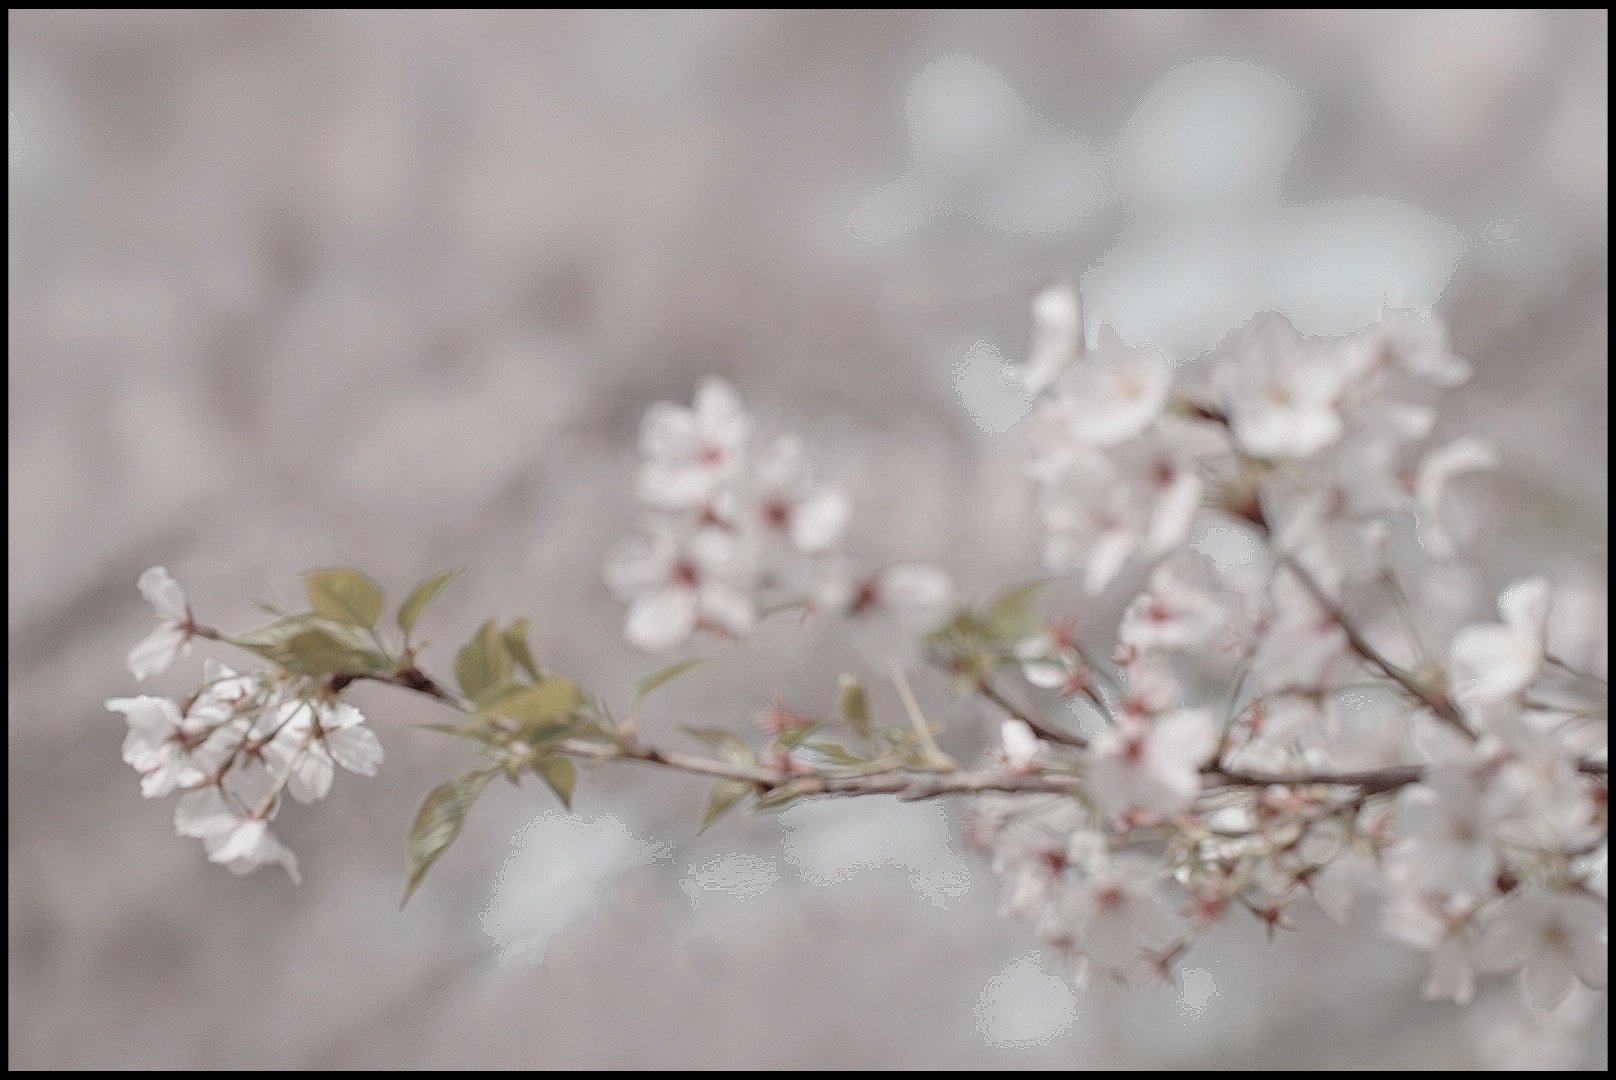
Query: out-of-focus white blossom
x=1152, y=765
x=1115, y=914
x=792, y=501
x=1554, y=938
x=1448, y=841
x=1092, y=522
x=1020, y=745
x=1436, y=470
x=690, y=452
x=676, y=583
x=1178, y=611
x=1418, y=346
x=1114, y=393
x=172, y=638
x=1280, y=395
x=1491, y=662
x=1057, y=338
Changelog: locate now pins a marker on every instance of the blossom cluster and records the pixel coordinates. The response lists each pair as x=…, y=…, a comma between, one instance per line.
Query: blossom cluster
x=1303, y=614
x=236, y=744
x=734, y=531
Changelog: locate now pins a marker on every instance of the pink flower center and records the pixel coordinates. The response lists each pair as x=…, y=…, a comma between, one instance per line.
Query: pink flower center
x=777, y=514
x=684, y=572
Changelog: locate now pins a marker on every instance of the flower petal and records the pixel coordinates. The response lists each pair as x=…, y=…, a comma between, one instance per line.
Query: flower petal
x=165, y=595
x=158, y=649
x=661, y=618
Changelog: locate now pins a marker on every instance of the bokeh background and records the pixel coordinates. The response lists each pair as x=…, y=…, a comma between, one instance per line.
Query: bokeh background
x=392, y=291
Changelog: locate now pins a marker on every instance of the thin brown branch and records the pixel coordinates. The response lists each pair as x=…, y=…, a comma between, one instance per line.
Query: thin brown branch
x=1043, y=727
x=1438, y=702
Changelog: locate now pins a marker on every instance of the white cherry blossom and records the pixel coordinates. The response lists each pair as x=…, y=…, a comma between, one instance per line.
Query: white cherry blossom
x=1491, y=662
x=1092, y=522
x=1152, y=765
x=1020, y=745
x=1057, y=338
x=676, y=584
x=172, y=638
x=1178, y=611
x=792, y=501
x=1114, y=393
x=238, y=840
x=690, y=452
x=1436, y=471
x=1281, y=396
x=159, y=744
x=1418, y=346
x=1115, y=914
x=1447, y=836
x=312, y=737
x=1554, y=938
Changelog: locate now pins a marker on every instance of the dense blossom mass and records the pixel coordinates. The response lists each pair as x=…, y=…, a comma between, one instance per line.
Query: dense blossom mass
x=1305, y=700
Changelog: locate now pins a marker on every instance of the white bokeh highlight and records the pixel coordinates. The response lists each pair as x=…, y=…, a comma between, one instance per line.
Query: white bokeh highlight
x=556, y=875
x=830, y=840
x=1023, y=1007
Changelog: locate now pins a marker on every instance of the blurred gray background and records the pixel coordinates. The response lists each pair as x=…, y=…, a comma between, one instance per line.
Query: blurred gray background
x=392, y=291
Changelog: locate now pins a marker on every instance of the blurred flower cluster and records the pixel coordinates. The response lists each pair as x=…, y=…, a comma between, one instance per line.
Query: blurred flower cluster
x=1294, y=704
x=734, y=532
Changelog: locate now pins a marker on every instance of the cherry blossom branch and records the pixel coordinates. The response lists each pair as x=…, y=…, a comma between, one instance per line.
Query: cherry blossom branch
x=1039, y=725
x=1436, y=701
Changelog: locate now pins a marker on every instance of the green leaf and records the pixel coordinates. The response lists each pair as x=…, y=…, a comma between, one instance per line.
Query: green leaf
x=409, y=612
x=728, y=745
x=345, y=596
x=482, y=664
x=436, y=825
x=271, y=609
x=548, y=701
x=515, y=636
x=667, y=674
x=540, y=736
x=309, y=645
x=1011, y=616
x=561, y=774
x=470, y=728
x=777, y=797
x=838, y=753
x=726, y=793
x=794, y=734
x=853, y=706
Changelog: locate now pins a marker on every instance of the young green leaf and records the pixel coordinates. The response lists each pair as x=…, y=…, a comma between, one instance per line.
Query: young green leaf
x=1011, y=616
x=726, y=744
x=561, y=774
x=515, y=636
x=471, y=728
x=310, y=645
x=436, y=825
x=726, y=793
x=545, y=702
x=838, y=753
x=777, y=797
x=345, y=596
x=482, y=664
x=794, y=734
x=667, y=674
x=853, y=706
x=409, y=612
